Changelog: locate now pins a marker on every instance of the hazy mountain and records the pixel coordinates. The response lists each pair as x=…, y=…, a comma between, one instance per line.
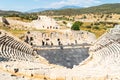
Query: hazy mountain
x=72, y=10
x=101, y=9
x=39, y=10
x=70, y=7
x=44, y=9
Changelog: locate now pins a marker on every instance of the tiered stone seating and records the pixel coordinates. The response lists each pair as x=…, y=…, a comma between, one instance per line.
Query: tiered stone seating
x=14, y=49
x=103, y=63
x=106, y=50
x=104, y=41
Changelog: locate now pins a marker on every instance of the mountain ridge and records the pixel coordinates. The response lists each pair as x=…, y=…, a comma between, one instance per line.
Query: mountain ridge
x=101, y=9
x=72, y=10
x=44, y=9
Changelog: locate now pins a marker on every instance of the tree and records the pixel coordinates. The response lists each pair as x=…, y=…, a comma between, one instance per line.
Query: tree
x=76, y=25
x=64, y=22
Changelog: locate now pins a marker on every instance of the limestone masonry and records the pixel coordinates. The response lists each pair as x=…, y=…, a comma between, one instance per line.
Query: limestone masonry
x=19, y=61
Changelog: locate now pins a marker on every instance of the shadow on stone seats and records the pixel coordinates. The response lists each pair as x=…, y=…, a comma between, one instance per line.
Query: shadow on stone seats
x=3, y=59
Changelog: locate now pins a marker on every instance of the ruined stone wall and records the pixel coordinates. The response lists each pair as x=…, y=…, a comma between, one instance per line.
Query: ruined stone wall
x=66, y=37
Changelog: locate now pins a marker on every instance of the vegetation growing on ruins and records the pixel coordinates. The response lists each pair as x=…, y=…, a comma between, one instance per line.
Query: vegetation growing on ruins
x=76, y=25
x=97, y=28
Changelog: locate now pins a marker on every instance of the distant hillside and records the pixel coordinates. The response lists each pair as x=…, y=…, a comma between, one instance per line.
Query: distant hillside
x=5, y=13
x=44, y=9
x=39, y=10
x=105, y=9
x=71, y=10
x=69, y=7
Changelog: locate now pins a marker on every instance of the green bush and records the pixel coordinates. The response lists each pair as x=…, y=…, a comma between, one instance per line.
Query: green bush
x=96, y=27
x=64, y=22
x=76, y=25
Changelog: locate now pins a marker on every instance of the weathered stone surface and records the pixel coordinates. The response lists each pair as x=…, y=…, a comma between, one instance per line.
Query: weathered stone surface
x=102, y=64
x=12, y=48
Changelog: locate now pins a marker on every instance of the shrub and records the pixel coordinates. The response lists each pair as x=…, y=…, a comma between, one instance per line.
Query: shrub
x=64, y=22
x=76, y=25
x=88, y=27
x=96, y=27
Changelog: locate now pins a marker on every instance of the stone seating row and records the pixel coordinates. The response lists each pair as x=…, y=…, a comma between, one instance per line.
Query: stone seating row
x=104, y=41
x=14, y=50
x=106, y=51
x=108, y=55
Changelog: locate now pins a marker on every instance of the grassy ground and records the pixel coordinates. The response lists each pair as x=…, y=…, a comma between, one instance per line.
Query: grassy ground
x=19, y=19
x=16, y=33
x=98, y=30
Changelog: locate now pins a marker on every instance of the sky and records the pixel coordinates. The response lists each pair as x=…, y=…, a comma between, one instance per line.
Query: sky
x=25, y=5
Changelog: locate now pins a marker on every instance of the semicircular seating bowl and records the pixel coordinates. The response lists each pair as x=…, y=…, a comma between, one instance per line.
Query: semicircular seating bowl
x=105, y=50
x=14, y=49
x=102, y=64
x=105, y=53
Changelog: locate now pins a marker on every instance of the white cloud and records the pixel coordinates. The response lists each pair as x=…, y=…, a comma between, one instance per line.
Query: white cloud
x=75, y=2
